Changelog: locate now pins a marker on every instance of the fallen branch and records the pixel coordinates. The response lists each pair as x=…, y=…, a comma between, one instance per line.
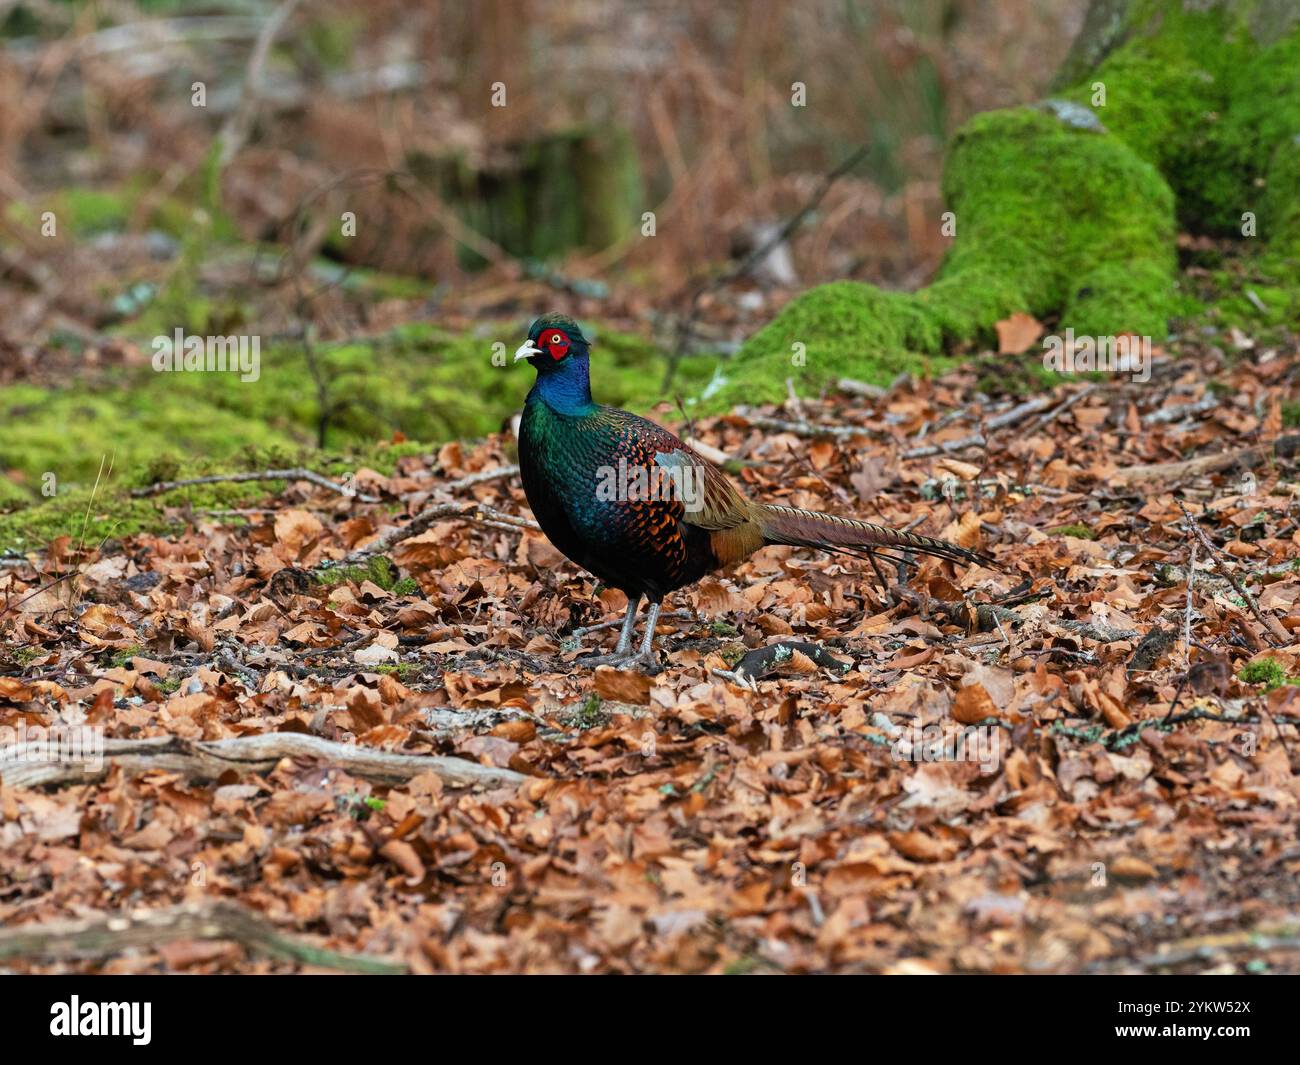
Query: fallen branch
x=861, y=388
x=1173, y=414
x=1197, y=467
x=799, y=428
x=467, y=511
x=1273, y=629
x=103, y=937
x=1000, y=421
x=1094, y=631
x=295, y=474
x=28, y=765
x=708, y=451
x=1061, y=408
x=482, y=477
x=250, y=678
x=480, y=512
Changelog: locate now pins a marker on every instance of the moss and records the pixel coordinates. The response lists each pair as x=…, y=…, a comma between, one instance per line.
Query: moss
x=1258, y=294
x=111, y=513
x=114, y=513
x=1076, y=529
x=122, y=659
x=68, y=432
x=83, y=212
x=17, y=659
x=1256, y=144
x=91, y=211
x=1069, y=209
x=1138, y=293
x=78, y=212
x=1208, y=94
x=401, y=670
x=417, y=381
x=1165, y=89
x=844, y=329
x=1050, y=217
x=378, y=570
x=1065, y=219
x=11, y=495
x=589, y=715
x=1281, y=204
x=1266, y=671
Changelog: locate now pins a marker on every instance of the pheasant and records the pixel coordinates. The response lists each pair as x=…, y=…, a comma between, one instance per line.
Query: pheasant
x=632, y=504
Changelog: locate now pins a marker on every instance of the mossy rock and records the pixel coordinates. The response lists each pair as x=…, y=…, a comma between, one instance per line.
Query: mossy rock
x=1209, y=94
x=1165, y=110
x=1051, y=217
x=844, y=329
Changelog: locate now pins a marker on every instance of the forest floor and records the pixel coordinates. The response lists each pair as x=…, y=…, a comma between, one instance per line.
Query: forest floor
x=1020, y=768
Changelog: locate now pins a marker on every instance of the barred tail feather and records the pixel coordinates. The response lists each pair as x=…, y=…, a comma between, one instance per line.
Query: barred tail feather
x=807, y=528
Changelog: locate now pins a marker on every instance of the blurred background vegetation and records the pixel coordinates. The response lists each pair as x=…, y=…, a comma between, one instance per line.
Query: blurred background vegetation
x=199, y=161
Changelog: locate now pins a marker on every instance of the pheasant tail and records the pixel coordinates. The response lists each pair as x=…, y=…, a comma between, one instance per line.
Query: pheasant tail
x=807, y=528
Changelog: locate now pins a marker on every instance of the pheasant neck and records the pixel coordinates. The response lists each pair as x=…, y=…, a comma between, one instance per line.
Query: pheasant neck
x=566, y=388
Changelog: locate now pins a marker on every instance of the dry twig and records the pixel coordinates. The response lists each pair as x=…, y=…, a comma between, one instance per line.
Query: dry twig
x=27, y=765
x=102, y=937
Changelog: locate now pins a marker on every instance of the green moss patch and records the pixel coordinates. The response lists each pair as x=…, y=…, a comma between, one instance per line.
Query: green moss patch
x=1268, y=672
x=1050, y=216
x=844, y=329
x=1067, y=210
x=1078, y=530
x=418, y=381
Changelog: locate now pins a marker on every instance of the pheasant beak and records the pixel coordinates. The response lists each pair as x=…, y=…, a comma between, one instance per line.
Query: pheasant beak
x=528, y=350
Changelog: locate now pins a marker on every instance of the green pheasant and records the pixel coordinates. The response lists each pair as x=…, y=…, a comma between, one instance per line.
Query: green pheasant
x=632, y=504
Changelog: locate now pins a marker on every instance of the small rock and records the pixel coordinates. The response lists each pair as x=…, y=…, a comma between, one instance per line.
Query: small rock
x=374, y=655
x=1073, y=114
x=142, y=582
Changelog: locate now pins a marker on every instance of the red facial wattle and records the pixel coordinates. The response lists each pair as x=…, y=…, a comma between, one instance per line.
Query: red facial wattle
x=556, y=343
